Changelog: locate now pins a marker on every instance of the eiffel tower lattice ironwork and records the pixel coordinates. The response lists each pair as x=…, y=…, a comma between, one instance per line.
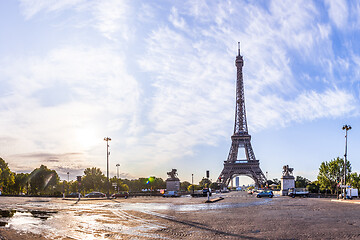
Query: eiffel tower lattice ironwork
x=241, y=139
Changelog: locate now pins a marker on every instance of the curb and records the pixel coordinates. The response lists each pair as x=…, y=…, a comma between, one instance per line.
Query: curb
x=345, y=201
x=214, y=200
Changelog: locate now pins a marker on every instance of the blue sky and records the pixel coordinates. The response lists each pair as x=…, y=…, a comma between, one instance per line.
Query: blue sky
x=158, y=77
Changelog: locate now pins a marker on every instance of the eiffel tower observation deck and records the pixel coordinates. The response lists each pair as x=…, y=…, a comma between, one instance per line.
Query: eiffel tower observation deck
x=241, y=140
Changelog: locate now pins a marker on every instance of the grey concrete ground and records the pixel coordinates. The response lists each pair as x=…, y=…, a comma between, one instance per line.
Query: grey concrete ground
x=238, y=216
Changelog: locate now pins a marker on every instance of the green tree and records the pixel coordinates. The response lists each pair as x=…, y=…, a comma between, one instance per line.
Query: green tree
x=7, y=178
x=330, y=173
x=119, y=184
x=196, y=187
x=214, y=186
x=94, y=180
x=139, y=184
x=355, y=180
x=313, y=187
x=21, y=183
x=43, y=181
x=276, y=181
x=158, y=183
x=184, y=185
x=301, y=182
x=135, y=185
x=205, y=183
x=152, y=183
x=73, y=185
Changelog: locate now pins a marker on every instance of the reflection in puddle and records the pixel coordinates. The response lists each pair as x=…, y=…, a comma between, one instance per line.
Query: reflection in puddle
x=188, y=207
x=23, y=219
x=42, y=214
x=104, y=220
x=7, y=213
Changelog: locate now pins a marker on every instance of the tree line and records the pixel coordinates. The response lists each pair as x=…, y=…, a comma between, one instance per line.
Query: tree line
x=329, y=178
x=44, y=181
x=331, y=174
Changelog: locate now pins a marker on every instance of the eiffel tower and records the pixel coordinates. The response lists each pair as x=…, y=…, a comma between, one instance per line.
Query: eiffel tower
x=241, y=139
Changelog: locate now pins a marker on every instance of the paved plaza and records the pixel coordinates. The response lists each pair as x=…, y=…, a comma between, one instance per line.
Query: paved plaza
x=238, y=216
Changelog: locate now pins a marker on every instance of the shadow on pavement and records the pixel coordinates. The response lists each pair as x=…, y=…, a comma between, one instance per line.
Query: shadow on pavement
x=202, y=227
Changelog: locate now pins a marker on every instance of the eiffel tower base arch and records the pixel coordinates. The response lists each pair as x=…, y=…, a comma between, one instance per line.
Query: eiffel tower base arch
x=246, y=168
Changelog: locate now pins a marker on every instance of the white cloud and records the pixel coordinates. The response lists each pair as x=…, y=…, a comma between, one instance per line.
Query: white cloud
x=354, y=13
x=189, y=93
x=199, y=9
x=176, y=20
x=32, y=7
x=274, y=95
x=186, y=73
x=274, y=111
x=112, y=17
x=338, y=12
x=95, y=92
x=356, y=60
x=325, y=30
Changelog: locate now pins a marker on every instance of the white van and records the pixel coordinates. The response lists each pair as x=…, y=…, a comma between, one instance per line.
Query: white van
x=352, y=192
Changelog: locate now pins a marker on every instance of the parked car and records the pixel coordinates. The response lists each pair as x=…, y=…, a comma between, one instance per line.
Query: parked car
x=74, y=195
x=171, y=194
x=95, y=195
x=265, y=193
x=120, y=195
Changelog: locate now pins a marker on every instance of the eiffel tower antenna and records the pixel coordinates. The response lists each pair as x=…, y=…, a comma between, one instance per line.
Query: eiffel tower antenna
x=241, y=139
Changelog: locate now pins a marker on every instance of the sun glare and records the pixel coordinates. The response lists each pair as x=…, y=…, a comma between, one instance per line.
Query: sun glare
x=86, y=137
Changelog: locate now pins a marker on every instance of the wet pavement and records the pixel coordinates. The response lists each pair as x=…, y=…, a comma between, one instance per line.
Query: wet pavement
x=238, y=216
x=102, y=219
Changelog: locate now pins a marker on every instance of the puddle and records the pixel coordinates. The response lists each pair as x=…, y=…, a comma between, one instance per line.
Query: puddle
x=42, y=214
x=99, y=220
x=7, y=213
x=187, y=207
x=27, y=219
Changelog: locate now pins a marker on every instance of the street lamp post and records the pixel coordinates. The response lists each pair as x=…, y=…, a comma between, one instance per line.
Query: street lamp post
x=192, y=182
x=346, y=128
x=107, y=139
x=68, y=185
x=117, y=168
x=117, y=176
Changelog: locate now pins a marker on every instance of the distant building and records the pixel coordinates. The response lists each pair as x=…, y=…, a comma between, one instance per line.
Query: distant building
x=237, y=181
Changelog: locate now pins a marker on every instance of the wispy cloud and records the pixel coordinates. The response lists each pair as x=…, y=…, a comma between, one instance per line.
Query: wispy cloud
x=32, y=7
x=274, y=95
x=178, y=94
x=112, y=17
x=188, y=94
x=96, y=91
x=277, y=112
x=176, y=20
x=109, y=17
x=338, y=12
